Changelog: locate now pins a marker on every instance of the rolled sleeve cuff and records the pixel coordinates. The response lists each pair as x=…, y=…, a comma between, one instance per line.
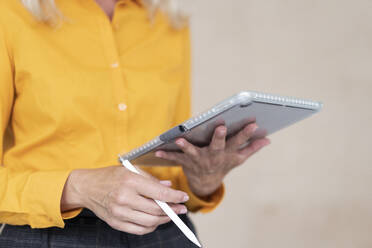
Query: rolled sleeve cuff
x=43, y=196
x=71, y=214
x=204, y=205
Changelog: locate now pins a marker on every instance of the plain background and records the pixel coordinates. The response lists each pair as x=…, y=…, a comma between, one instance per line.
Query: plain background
x=312, y=187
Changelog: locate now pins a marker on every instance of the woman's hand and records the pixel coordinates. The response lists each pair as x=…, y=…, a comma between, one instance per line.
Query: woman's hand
x=205, y=167
x=121, y=198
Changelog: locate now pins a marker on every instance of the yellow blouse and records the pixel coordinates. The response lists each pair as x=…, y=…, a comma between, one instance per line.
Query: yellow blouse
x=77, y=95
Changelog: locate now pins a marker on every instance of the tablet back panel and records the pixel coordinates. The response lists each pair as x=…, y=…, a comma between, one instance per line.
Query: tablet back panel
x=270, y=118
x=270, y=115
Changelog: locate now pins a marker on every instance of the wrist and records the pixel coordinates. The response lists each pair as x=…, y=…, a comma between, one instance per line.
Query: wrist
x=204, y=186
x=71, y=196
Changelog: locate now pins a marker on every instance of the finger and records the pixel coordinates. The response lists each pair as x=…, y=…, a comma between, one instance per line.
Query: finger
x=125, y=213
x=177, y=157
x=218, y=139
x=142, y=172
x=146, y=174
x=254, y=147
x=178, y=208
x=155, y=190
x=188, y=148
x=167, y=183
x=130, y=227
x=144, y=219
x=242, y=137
x=149, y=206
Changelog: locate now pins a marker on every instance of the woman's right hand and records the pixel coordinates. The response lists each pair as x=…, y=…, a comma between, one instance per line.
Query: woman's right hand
x=121, y=198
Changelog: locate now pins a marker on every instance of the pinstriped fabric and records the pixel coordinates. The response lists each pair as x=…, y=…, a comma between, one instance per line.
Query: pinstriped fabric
x=89, y=231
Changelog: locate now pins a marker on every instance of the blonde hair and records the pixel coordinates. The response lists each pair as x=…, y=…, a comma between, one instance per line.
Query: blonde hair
x=47, y=11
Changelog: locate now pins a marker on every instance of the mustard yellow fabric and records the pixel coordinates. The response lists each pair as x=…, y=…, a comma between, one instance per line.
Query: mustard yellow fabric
x=77, y=95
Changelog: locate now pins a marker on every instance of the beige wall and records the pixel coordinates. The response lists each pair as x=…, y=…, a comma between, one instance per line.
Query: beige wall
x=313, y=186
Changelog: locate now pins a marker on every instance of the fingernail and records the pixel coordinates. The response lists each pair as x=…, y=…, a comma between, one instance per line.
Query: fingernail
x=183, y=210
x=186, y=198
x=158, y=154
x=222, y=131
x=179, y=142
x=166, y=182
x=255, y=127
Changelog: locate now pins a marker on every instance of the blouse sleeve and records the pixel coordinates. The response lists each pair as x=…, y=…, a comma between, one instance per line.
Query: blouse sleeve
x=31, y=197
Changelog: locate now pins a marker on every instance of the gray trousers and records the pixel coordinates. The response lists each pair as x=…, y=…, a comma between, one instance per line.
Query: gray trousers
x=86, y=230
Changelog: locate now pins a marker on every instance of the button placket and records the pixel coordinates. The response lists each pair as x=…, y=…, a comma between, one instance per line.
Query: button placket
x=122, y=106
x=120, y=97
x=115, y=65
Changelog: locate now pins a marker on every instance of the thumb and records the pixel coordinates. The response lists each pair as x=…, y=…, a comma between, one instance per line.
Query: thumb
x=167, y=183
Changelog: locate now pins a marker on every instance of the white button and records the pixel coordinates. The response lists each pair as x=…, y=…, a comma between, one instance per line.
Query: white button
x=115, y=65
x=122, y=106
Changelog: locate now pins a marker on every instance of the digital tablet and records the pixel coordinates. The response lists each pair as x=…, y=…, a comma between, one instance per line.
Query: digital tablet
x=270, y=112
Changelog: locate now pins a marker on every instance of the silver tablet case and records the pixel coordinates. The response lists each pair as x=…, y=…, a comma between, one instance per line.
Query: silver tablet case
x=271, y=112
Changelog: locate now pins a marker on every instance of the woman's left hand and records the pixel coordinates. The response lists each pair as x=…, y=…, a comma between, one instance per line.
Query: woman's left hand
x=205, y=167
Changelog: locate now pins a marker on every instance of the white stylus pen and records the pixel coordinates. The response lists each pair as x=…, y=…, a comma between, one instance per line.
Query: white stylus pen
x=172, y=215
